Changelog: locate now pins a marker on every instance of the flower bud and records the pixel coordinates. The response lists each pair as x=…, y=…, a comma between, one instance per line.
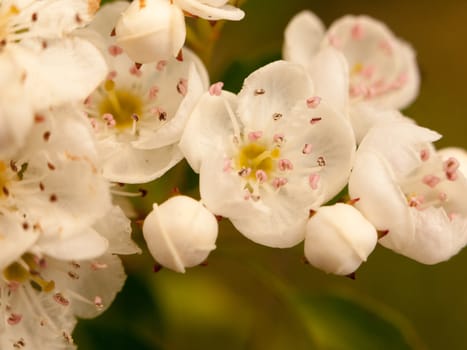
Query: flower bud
x=151, y=30
x=338, y=239
x=180, y=233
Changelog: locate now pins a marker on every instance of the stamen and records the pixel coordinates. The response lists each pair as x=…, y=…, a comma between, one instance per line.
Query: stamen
x=276, y=116
x=431, y=180
x=451, y=165
x=261, y=176
x=278, y=182
x=95, y=266
x=357, y=31
x=98, y=302
x=14, y=319
x=161, y=65
x=153, y=91
x=59, y=298
x=115, y=50
x=227, y=165
x=255, y=135
x=285, y=164
x=182, y=86
x=313, y=102
x=216, y=89
x=315, y=120
x=259, y=92
x=313, y=181
x=321, y=161
x=307, y=149
x=278, y=138
x=244, y=172
x=425, y=154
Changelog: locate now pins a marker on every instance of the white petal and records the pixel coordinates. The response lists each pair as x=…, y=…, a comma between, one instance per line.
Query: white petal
x=364, y=116
x=90, y=286
x=403, y=155
x=171, y=131
x=380, y=198
x=106, y=18
x=55, y=18
x=88, y=244
x=209, y=126
x=274, y=88
x=330, y=74
x=15, y=238
x=302, y=38
x=211, y=10
x=330, y=138
x=436, y=237
x=66, y=70
x=36, y=320
x=402, y=97
x=126, y=164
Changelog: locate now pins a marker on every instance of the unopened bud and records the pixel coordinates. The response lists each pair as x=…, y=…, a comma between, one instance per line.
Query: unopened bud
x=338, y=239
x=151, y=30
x=180, y=233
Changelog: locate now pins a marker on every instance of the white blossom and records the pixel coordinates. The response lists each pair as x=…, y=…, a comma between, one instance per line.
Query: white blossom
x=382, y=69
x=37, y=50
x=180, y=233
x=270, y=154
x=409, y=192
x=138, y=114
x=338, y=239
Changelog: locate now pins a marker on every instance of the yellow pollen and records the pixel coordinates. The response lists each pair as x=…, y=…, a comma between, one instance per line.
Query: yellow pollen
x=121, y=104
x=356, y=69
x=257, y=156
x=14, y=10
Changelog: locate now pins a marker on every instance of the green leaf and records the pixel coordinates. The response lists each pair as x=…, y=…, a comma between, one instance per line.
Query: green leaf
x=339, y=323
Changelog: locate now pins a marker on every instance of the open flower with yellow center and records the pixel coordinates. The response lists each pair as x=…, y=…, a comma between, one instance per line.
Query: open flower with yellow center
x=269, y=155
x=382, y=69
x=52, y=191
x=58, y=234
x=41, y=296
x=410, y=192
x=43, y=64
x=138, y=113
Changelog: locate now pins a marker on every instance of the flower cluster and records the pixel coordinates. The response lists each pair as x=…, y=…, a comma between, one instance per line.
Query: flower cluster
x=312, y=149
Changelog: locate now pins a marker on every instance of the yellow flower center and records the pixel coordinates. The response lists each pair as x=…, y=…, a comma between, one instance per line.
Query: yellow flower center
x=27, y=271
x=256, y=156
x=123, y=105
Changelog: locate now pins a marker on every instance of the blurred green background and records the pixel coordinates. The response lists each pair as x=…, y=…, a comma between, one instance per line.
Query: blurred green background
x=252, y=297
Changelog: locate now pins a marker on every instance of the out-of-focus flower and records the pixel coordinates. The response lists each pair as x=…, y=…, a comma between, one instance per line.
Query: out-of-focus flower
x=52, y=190
x=338, y=239
x=36, y=50
x=211, y=9
x=180, y=233
x=407, y=190
x=59, y=233
x=40, y=296
x=382, y=71
x=270, y=154
x=138, y=114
